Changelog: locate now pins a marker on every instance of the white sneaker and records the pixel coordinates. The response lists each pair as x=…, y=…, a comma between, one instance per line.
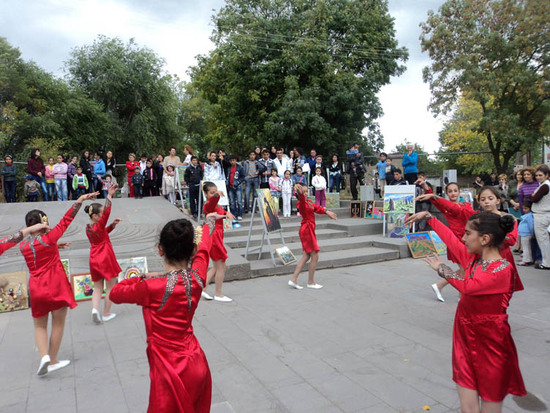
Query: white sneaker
x=108, y=317
x=315, y=286
x=294, y=285
x=44, y=363
x=437, y=293
x=223, y=299
x=59, y=365
x=206, y=296
x=96, y=316
x=240, y=218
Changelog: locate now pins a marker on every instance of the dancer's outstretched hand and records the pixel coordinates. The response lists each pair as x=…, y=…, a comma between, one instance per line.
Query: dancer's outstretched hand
x=36, y=228
x=115, y=222
x=230, y=216
x=86, y=197
x=63, y=245
x=434, y=261
x=425, y=197
x=331, y=215
x=112, y=190
x=421, y=216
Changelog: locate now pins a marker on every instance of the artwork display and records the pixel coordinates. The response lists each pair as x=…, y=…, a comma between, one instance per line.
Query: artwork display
x=66, y=267
x=355, y=209
x=13, y=292
x=286, y=255
x=333, y=200
x=181, y=176
x=227, y=224
x=421, y=244
x=398, y=205
x=83, y=286
x=132, y=267
x=220, y=184
x=439, y=244
x=268, y=210
x=372, y=211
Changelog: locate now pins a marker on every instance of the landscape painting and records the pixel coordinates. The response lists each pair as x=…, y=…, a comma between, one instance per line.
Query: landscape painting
x=286, y=255
x=421, y=244
x=396, y=227
x=439, y=244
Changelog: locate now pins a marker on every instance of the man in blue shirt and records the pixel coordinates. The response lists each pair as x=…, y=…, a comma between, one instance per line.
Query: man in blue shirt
x=410, y=165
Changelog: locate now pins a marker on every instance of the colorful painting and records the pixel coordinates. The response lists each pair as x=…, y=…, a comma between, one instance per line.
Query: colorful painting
x=396, y=227
x=421, y=244
x=398, y=205
x=369, y=208
x=66, y=267
x=83, y=286
x=286, y=255
x=439, y=244
x=377, y=213
x=13, y=292
x=132, y=267
x=220, y=184
x=181, y=176
x=268, y=210
x=227, y=224
x=333, y=200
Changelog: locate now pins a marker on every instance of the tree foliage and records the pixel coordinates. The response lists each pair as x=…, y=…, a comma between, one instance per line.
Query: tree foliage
x=297, y=72
x=134, y=91
x=495, y=52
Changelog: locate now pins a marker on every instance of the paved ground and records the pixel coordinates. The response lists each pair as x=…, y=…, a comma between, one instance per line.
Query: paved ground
x=373, y=340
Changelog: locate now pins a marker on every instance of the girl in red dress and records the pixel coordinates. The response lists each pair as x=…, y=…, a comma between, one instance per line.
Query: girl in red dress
x=307, y=236
x=179, y=372
x=455, y=212
x=485, y=362
x=11, y=241
x=49, y=288
x=218, y=254
x=103, y=264
x=131, y=164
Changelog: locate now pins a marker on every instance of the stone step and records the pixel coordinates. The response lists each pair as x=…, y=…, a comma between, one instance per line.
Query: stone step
x=255, y=240
x=331, y=259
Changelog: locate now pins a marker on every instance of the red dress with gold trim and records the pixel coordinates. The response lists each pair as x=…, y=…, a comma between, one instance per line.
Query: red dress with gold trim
x=179, y=372
x=9, y=242
x=48, y=284
x=307, y=227
x=484, y=354
x=103, y=263
x=218, y=251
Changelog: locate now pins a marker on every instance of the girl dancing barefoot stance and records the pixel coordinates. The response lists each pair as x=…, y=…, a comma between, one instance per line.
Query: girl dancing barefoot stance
x=49, y=289
x=485, y=361
x=218, y=253
x=179, y=373
x=307, y=236
x=103, y=264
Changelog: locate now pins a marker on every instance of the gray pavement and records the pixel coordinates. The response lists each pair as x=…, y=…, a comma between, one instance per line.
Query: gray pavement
x=373, y=340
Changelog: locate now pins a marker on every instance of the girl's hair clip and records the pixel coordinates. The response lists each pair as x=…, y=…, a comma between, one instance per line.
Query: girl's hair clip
x=198, y=235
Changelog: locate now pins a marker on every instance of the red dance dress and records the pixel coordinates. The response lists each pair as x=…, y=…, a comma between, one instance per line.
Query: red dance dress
x=48, y=284
x=218, y=251
x=103, y=263
x=179, y=372
x=131, y=168
x=484, y=354
x=307, y=227
x=9, y=242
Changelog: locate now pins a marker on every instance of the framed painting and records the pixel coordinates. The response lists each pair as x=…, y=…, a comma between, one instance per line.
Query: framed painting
x=421, y=244
x=377, y=213
x=268, y=210
x=395, y=223
x=132, y=267
x=227, y=224
x=14, y=295
x=439, y=244
x=286, y=255
x=83, y=286
x=398, y=205
x=355, y=209
x=369, y=207
x=66, y=267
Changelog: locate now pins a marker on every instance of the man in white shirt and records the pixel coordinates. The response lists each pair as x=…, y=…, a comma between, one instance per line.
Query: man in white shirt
x=282, y=164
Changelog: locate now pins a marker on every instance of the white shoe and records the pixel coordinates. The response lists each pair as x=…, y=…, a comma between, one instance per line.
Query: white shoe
x=437, y=293
x=96, y=316
x=59, y=365
x=239, y=218
x=223, y=299
x=206, y=296
x=44, y=363
x=315, y=286
x=108, y=317
x=294, y=285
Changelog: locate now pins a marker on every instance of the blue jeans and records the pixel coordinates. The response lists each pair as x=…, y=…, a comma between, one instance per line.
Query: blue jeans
x=61, y=189
x=42, y=184
x=51, y=191
x=334, y=182
x=251, y=185
x=11, y=187
x=78, y=192
x=236, y=194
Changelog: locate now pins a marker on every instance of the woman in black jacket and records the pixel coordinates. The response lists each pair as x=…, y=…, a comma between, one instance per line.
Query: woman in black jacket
x=87, y=169
x=334, y=173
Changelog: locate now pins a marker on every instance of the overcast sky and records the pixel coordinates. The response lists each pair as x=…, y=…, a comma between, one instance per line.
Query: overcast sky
x=46, y=31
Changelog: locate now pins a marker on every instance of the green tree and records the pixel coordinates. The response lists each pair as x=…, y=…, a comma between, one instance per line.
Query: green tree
x=134, y=90
x=297, y=72
x=497, y=53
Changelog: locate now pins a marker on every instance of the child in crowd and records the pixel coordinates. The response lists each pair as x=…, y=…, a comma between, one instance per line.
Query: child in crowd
x=71, y=172
x=50, y=180
x=275, y=187
x=193, y=176
x=137, y=183
x=104, y=267
x=9, y=173
x=286, y=191
x=131, y=166
x=299, y=177
x=107, y=183
x=218, y=253
x=485, y=361
x=142, y=163
x=31, y=189
x=526, y=230
x=60, y=175
x=308, y=238
x=320, y=184
x=169, y=183
x=179, y=372
x=80, y=182
x=149, y=179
